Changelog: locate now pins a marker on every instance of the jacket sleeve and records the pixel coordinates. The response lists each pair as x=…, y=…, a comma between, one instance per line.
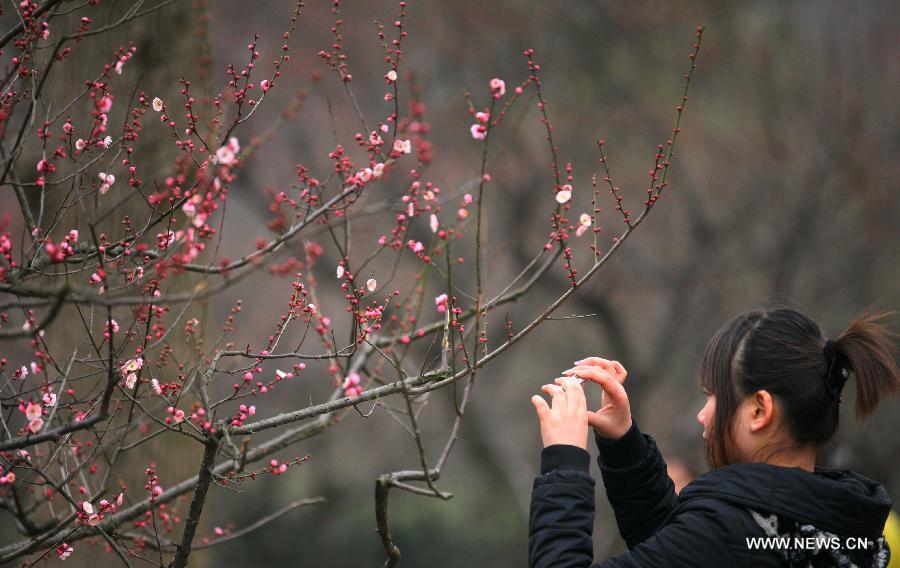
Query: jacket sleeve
x=561, y=524
x=637, y=484
x=561, y=519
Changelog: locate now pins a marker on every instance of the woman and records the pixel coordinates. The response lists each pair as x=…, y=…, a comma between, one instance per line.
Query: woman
x=773, y=387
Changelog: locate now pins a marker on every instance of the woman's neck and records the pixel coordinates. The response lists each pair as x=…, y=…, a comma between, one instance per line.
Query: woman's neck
x=804, y=458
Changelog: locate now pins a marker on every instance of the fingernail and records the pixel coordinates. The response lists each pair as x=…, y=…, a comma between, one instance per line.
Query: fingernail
x=579, y=362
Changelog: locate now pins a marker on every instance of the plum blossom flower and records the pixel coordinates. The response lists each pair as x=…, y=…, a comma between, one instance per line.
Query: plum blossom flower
x=391, y=76
x=227, y=154
x=340, y=271
x=64, y=550
x=564, y=195
x=479, y=131
x=364, y=175
x=154, y=384
x=440, y=303
x=312, y=308
x=107, y=142
x=265, y=85
x=157, y=104
x=80, y=144
x=49, y=399
x=434, y=222
x=584, y=223
x=105, y=104
x=34, y=426
x=378, y=170
x=498, y=87
x=93, y=518
x=107, y=181
x=132, y=365
x=403, y=146
x=33, y=411
x=351, y=385
x=483, y=117
x=371, y=284
x=130, y=380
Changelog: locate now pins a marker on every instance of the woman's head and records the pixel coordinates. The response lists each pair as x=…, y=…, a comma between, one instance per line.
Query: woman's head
x=766, y=376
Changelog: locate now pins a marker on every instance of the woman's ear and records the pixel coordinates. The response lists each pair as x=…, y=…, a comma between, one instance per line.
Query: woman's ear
x=761, y=410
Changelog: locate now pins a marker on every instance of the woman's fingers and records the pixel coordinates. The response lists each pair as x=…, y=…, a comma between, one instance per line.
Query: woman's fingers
x=541, y=406
x=613, y=367
x=575, y=398
x=612, y=387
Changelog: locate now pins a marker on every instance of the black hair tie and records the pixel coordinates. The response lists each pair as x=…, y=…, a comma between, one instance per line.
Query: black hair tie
x=838, y=370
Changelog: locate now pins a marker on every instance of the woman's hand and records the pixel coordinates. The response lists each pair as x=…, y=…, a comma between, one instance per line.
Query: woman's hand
x=566, y=421
x=613, y=419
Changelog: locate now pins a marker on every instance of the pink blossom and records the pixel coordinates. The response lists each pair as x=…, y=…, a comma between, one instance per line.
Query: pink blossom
x=483, y=117
x=378, y=170
x=498, y=87
x=107, y=142
x=68, y=128
x=35, y=425
x=564, y=194
x=108, y=180
x=79, y=144
x=351, y=385
x=158, y=104
x=440, y=303
x=403, y=146
x=156, y=388
x=105, y=104
x=33, y=411
x=179, y=415
x=130, y=380
x=132, y=365
x=64, y=550
x=265, y=85
x=479, y=131
x=371, y=284
x=467, y=199
x=340, y=271
x=434, y=222
x=391, y=76
x=462, y=213
x=49, y=399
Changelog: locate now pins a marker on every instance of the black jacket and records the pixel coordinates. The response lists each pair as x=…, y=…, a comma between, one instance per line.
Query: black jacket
x=713, y=519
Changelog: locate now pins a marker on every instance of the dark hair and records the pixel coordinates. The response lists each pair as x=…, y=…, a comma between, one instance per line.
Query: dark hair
x=782, y=351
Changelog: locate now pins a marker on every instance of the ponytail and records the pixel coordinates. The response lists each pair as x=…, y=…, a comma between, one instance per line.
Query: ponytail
x=869, y=344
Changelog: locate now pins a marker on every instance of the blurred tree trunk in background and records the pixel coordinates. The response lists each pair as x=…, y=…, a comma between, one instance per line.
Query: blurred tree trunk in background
x=171, y=44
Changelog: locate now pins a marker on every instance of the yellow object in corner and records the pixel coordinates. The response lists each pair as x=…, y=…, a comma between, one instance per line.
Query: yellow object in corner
x=892, y=536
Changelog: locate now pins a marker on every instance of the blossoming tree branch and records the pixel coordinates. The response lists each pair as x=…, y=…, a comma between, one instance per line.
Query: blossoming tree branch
x=110, y=262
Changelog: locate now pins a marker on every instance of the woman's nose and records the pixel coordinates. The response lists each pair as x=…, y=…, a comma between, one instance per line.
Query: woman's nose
x=700, y=417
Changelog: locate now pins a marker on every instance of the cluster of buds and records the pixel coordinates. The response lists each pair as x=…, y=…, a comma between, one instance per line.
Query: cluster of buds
x=59, y=252
x=351, y=386
x=89, y=515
